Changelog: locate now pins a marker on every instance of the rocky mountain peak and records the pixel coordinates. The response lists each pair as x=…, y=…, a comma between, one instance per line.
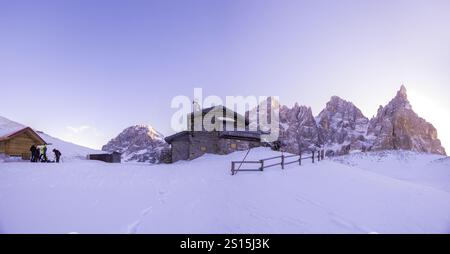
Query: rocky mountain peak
x=336, y=100
x=400, y=100
x=145, y=128
x=342, y=126
x=140, y=143
x=298, y=128
x=402, y=92
x=397, y=126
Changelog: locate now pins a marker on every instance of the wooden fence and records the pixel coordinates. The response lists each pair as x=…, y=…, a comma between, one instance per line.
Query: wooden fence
x=284, y=160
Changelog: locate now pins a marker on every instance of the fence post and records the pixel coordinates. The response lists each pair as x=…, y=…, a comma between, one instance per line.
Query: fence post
x=282, y=161
x=318, y=156
x=300, y=159
x=313, y=154
x=262, y=165
x=232, y=168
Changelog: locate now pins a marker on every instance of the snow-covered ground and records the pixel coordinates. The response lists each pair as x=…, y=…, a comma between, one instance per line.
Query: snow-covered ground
x=386, y=192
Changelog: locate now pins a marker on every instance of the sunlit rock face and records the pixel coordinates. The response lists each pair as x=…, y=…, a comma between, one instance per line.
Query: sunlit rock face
x=342, y=127
x=139, y=143
x=397, y=126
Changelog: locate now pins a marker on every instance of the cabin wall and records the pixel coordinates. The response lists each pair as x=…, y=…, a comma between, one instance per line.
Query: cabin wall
x=110, y=158
x=2, y=147
x=20, y=146
x=180, y=150
x=230, y=126
x=201, y=125
x=192, y=146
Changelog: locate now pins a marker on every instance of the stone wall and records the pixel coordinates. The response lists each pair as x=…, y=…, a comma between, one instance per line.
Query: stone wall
x=203, y=142
x=227, y=146
x=191, y=147
x=180, y=150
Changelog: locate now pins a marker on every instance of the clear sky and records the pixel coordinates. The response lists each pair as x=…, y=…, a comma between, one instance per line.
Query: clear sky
x=85, y=70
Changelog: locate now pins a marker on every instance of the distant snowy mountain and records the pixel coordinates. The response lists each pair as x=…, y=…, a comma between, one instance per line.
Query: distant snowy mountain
x=139, y=143
x=69, y=150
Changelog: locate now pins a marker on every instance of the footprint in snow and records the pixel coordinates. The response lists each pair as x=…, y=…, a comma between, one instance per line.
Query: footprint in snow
x=134, y=227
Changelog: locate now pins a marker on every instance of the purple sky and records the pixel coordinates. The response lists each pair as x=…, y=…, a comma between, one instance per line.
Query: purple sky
x=85, y=70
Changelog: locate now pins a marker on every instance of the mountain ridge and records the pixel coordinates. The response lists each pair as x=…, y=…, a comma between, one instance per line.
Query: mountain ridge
x=341, y=128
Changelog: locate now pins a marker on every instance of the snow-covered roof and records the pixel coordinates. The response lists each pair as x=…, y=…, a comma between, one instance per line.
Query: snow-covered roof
x=225, y=110
x=36, y=137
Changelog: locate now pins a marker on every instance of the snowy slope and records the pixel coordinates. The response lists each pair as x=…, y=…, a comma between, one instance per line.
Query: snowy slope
x=69, y=150
x=360, y=193
x=7, y=126
x=425, y=169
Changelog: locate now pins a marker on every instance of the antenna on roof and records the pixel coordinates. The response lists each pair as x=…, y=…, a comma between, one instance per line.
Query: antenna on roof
x=195, y=106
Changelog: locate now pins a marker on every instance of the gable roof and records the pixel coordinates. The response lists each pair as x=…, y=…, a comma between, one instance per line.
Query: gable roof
x=30, y=131
x=242, y=135
x=170, y=138
x=222, y=108
x=238, y=135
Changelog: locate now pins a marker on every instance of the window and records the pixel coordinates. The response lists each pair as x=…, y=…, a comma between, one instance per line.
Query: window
x=203, y=148
x=233, y=146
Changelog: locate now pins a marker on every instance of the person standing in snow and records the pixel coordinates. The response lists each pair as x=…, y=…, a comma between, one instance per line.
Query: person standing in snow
x=33, y=153
x=37, y=155
x=44, y=153
x=57, y=155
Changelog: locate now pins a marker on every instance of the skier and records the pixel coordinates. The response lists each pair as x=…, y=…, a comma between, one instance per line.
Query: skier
x=57, y=155
x=44, y=153
x=33, y=153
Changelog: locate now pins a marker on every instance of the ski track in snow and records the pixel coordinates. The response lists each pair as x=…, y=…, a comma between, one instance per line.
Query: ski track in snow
x=339, y=220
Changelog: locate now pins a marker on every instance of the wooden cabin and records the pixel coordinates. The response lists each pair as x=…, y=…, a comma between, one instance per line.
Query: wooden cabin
x=198, y=139
x=18, y=143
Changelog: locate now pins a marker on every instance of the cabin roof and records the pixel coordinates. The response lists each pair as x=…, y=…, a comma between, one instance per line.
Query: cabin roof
x=238, y=135
x=15, y=133
x=170, y=138
x=224, y=109
x=242, y=135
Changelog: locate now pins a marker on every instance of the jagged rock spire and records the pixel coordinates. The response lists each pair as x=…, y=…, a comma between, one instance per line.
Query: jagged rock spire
x=402, y=92
x=342, y=126
x=397, y=126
